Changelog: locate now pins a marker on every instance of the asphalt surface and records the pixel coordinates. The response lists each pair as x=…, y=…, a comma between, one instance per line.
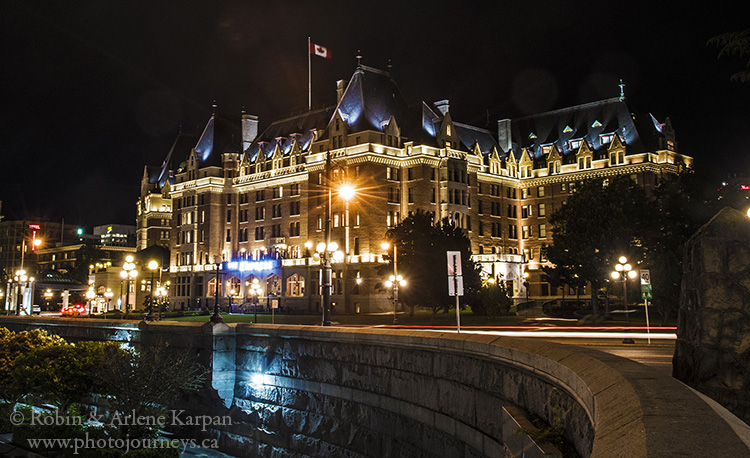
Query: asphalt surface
x=657, y=355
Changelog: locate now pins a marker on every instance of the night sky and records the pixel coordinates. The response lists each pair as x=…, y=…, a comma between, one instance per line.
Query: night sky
x=94, y=90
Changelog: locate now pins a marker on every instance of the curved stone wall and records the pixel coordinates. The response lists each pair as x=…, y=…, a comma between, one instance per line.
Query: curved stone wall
x=312, y=391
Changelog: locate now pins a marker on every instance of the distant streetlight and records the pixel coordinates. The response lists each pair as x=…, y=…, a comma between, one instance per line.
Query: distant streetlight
x=216, y=317
x=623, y=271
x=394, y=279
x=19, y=278
x=47, y=297
x=526, y=286
x=152, y=266
x=128, y=273
x=255, y=291
x=108, y=294
x=346, y=192
x=90, y=295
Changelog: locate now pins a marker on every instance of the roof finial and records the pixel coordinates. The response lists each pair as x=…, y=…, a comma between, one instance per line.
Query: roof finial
x=243, y=110
x=622, y=90
x=213, y=108
x=389, y=66
x=359, y=58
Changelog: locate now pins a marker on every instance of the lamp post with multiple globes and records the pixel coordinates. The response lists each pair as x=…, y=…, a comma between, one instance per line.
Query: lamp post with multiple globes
x=128, y=273
x=394, y=280
x=90, y=295
x=108, y=294
x=624, y=271
x=152, y=266
x=255, y=291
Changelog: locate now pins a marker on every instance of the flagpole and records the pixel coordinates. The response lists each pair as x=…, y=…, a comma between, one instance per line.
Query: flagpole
x=309, y=78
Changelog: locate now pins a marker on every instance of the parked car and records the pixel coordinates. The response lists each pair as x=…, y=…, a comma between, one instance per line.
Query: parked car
x=36, y=310
x=73, y=310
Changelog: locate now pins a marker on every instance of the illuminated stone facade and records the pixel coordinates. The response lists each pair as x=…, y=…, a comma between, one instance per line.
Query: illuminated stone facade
x=254, y=207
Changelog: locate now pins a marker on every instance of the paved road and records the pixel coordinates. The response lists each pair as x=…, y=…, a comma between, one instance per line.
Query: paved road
x=657, y=355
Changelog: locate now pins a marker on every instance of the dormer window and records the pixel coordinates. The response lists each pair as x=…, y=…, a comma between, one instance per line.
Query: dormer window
x=532, y=135
x=567, y=129
x=617, y=157
x=574, y=144
x=606, y=138
x=584, y=162
x=596, y=124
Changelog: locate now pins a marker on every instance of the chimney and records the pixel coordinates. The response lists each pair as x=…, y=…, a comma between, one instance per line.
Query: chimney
x=443, y=106
x=503, y=134
x=249, y=130
x=340, y=88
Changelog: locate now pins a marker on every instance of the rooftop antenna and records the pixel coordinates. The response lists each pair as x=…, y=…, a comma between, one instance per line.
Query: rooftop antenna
x=359, y=58
x=622, y=90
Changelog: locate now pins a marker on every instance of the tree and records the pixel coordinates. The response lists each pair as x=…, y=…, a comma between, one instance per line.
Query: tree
x=422, y=260
x=600, y=222
x=87, y=255
x=735, y=43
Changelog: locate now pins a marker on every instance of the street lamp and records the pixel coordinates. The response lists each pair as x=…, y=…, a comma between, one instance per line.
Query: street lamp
x=47, y=297
x=216, y=317
x=526, y=287
x=327, y=252
x=108, y=294
x=255, y=291
x=128, y=273
x=623, y=271
x=386, y=246
x=20, y=277
x=346, y=192
x=90, y=295
x=152, y=266
x=394, y=281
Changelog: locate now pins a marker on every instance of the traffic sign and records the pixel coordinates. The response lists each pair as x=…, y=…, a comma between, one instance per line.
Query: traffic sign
x=645, y=277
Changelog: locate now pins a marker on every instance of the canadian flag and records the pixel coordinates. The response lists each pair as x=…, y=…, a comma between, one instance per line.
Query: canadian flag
x=320, y=51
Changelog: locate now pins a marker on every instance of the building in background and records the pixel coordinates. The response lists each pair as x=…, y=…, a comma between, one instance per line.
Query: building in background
x=255, y=209
x=115, y=235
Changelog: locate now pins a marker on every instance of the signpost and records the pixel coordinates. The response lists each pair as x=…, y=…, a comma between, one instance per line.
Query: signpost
x=646, y=294
x=455, y=282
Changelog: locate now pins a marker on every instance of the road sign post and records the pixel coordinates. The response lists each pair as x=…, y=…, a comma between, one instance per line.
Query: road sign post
x=646, y=293
x=455, y=282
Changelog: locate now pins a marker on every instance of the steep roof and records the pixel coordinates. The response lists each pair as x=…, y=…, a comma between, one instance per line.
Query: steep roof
x=370, y=100
x=285, y=131
x=181, y=147
x=588, y=122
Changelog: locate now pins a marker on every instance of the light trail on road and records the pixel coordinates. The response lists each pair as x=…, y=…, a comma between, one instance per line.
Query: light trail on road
x=547, y=332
